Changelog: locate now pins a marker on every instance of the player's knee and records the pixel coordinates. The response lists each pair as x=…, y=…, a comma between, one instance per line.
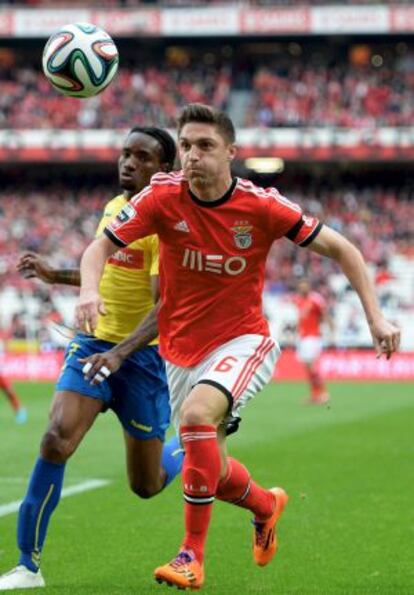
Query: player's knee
x=144, y=489
x=55, y=447
x=195, y=414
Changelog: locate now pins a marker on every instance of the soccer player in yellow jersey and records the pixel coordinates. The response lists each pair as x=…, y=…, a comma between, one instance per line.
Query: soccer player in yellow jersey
x=137, y=393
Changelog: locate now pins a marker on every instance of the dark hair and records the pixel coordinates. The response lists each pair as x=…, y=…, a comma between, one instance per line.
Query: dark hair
x=205, y=114
x=164, y=139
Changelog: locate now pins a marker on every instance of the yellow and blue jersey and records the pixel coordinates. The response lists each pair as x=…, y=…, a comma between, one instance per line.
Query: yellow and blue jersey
x=126, y=282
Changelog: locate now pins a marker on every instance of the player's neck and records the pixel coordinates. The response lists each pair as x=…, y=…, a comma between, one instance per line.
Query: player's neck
x=212, y=192
x=128, y=194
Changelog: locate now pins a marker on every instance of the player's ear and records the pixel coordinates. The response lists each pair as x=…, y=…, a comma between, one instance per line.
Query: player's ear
x=231, y=152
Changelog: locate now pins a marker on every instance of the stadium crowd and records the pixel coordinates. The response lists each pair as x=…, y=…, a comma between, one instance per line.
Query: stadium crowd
x=342, y=96
x=376, y=219
x=286, y=93
x=143, y=97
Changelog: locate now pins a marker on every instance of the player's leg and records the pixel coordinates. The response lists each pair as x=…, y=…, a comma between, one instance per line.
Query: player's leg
x=141, y=402
x=152, y=464
x=226, y=381
x=319, y=392
x=74, y=409
x=201, y=413
x=71, y=416
x=309, y=351
x=237, y=487
x=12, y=397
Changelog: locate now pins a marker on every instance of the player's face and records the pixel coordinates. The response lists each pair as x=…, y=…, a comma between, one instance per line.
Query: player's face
x=205, y=155
x=139, y=160
x=303, y=287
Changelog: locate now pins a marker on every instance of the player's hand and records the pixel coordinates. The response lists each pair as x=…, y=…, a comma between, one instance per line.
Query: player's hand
x=386, y=337
x=32, y=265
x=100, y=366
x=89, y=306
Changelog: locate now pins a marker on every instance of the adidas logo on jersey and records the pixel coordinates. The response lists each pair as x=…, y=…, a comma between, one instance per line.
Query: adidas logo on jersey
x=182, y=226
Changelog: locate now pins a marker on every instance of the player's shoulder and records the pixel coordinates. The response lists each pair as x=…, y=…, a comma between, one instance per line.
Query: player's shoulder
x=247, y=187
x=116, y=203
x=171, y=181
x=268, y=195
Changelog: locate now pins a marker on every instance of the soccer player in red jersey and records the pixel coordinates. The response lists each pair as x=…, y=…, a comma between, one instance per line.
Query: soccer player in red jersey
x=215, y=232
x=312, y=312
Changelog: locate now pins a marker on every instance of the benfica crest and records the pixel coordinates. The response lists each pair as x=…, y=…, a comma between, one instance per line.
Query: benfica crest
x=242, y=234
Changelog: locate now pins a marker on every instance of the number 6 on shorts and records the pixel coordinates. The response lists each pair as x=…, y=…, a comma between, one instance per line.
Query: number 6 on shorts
x=226, y=364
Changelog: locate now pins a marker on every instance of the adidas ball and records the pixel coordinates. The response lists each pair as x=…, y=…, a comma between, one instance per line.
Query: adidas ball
x=80, y=60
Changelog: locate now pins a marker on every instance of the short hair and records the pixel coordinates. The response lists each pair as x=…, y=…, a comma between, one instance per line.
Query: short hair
x=164, y=139
x=205, y=114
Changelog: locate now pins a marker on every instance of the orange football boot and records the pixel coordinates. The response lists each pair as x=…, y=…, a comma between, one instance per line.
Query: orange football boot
x=264, y=536
x=184, y=572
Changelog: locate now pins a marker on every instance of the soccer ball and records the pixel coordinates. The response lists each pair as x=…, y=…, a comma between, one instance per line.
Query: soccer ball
x=80, y=60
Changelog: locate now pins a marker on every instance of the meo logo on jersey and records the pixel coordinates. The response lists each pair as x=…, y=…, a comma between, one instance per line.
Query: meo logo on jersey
x=213, y=263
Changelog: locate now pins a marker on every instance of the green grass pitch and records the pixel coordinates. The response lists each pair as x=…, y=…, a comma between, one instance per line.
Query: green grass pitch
x=348, y=528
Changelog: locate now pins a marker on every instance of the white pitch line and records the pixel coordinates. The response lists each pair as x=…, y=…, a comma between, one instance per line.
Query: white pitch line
x=85, y=486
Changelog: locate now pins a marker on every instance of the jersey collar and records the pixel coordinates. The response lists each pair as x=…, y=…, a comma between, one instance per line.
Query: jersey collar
x=214, y=203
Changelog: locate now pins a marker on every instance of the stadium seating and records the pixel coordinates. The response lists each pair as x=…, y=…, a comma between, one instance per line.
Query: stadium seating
x=279, y=94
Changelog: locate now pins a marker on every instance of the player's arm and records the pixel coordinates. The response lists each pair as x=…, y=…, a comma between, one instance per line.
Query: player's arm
x=90, y=303
x=99, y=366
x=32, y=265
x=386, y=336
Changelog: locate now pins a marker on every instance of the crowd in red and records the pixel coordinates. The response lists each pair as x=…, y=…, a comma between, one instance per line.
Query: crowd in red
x=52, y=221
x=348, y=96
x=143, y=96
x=377, y=220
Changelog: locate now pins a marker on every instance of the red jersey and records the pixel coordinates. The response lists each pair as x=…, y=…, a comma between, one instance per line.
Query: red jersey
x=311, y=310
x=212, y=258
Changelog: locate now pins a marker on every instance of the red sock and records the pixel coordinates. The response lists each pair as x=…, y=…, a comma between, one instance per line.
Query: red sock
x=201, y=473
x=10, y=393
x=239, y=489
x=316, y=382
